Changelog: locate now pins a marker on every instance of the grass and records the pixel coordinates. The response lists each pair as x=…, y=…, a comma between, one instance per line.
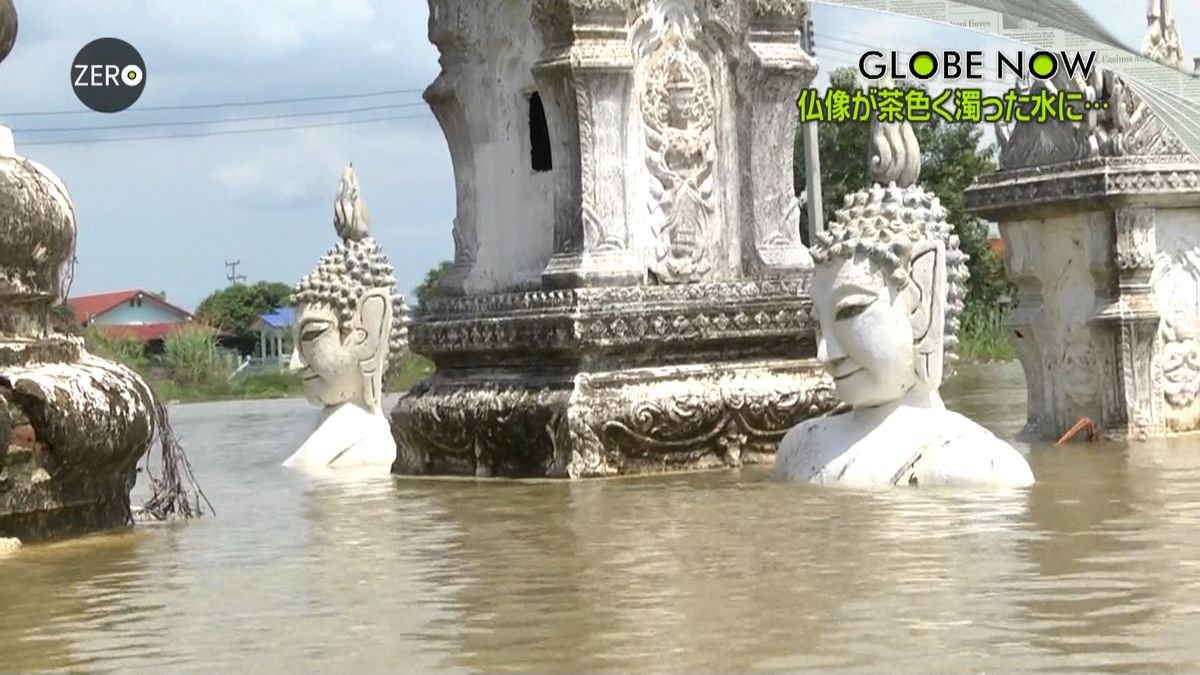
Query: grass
x=412, y=369
x=982, y=337
x=194, y=369
x=255, y=386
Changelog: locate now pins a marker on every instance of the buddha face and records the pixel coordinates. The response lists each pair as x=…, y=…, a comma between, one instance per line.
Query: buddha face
x=866, y=334
x=327, y=362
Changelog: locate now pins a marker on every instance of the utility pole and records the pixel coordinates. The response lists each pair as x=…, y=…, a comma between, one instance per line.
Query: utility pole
x=812, y=154
x=232, y=275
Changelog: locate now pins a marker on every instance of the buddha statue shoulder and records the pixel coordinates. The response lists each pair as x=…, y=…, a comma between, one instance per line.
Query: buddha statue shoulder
x=349, y=330
x=888, y=286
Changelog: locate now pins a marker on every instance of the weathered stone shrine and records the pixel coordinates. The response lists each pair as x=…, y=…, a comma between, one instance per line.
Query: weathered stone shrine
x=629, y=291
x=72, y=425
x=1101, y=219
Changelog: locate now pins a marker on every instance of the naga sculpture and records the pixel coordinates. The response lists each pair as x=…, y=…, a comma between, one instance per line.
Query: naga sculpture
x=888, y=286
x=350, y=325
x=1162, y=42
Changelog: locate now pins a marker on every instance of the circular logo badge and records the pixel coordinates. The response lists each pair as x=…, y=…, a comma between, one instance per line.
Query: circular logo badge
x=108, y=75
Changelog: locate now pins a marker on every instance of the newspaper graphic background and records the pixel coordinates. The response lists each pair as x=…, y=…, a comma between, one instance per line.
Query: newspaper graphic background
x=1063, y=25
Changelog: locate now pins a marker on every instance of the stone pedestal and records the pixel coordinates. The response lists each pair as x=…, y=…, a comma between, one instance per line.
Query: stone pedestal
x=72, y=429
x=630, y=285
x=1101, y=221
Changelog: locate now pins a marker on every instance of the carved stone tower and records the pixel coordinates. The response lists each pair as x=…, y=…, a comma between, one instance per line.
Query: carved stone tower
x=629, y=288
x=1101, y=219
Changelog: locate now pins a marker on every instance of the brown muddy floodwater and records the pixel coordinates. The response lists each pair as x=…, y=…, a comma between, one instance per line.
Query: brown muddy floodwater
x=1096, y=568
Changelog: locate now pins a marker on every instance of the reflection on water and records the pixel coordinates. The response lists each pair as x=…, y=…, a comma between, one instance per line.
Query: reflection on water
x=1095, y=568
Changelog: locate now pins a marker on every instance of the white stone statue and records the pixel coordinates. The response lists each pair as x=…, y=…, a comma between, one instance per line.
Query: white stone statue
x=1162, y=41
x=350, y=323
x=887, y=290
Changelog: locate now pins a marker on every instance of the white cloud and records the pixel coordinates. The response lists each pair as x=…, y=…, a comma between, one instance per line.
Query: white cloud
x=167, y=214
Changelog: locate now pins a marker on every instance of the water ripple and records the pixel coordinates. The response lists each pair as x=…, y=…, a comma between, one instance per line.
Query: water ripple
x=1093, y=569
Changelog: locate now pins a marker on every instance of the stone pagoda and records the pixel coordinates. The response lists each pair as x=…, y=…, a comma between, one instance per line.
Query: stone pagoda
x=1101, y=220
x=73, y=425
x=629, y=290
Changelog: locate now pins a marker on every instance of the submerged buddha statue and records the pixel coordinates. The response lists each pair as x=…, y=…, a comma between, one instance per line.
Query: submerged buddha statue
x=888, y=286
x=349, y=324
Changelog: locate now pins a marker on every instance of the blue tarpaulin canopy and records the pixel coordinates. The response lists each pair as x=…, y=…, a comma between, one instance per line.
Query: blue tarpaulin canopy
x=280, y=318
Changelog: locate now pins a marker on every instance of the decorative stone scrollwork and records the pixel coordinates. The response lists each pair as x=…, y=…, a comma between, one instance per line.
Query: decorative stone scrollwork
x=725, y=415
x=779, y=10
x=556, y=19
x=1177, y=278
x=1135, y=239
x=631, y=317
x=678, y=111
x=1077, y=181
x=1128, y=127
x=1181, y=360
x=604, y=425
x=492, y=430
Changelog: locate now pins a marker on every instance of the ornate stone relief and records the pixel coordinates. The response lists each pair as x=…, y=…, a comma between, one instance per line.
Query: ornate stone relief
x=707, y=413
x=609, y=424
x=1176, y=279
x=779, y=10
x=1181, y=360
x=678, y=113
x=1135, y=247
x=1076, y=182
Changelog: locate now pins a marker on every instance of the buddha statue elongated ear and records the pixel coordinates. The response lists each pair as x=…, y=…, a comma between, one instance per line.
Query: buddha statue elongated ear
x=372, y=340
x=927, y=314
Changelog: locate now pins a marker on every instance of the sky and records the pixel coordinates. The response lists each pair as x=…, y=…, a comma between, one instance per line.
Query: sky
x=167, y=214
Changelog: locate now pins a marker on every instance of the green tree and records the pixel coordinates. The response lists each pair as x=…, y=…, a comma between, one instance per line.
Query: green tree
x=234, y=308
x=951, y=161
x=430, y=287
x=64, y=317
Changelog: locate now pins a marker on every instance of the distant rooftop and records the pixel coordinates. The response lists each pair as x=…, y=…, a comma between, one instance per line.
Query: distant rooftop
x=281, y=317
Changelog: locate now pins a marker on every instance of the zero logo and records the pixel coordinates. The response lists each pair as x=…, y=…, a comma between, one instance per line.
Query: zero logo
x=108, y=75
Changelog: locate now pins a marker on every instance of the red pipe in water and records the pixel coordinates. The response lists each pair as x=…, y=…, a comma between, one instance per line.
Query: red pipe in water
x=1084, y=424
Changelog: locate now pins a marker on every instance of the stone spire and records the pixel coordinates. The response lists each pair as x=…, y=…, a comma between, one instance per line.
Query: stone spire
x=8, y=27
x=1162, y=42
x=8, y=36
x=894, y=155
x=349, y=210
x=37, y=227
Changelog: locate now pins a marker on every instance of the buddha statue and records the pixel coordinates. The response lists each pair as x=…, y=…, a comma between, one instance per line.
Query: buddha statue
x=349, y=324
x=887, y=288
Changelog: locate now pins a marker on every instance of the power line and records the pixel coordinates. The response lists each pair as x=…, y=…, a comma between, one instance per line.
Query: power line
x=227, y=132
x=228, y=104
x=258, y=118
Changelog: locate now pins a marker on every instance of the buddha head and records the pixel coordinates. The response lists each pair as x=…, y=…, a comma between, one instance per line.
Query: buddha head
x=350, y=322
x=889, y=283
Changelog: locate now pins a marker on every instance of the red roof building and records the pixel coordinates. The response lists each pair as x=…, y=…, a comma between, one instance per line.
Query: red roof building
x=133, y=314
